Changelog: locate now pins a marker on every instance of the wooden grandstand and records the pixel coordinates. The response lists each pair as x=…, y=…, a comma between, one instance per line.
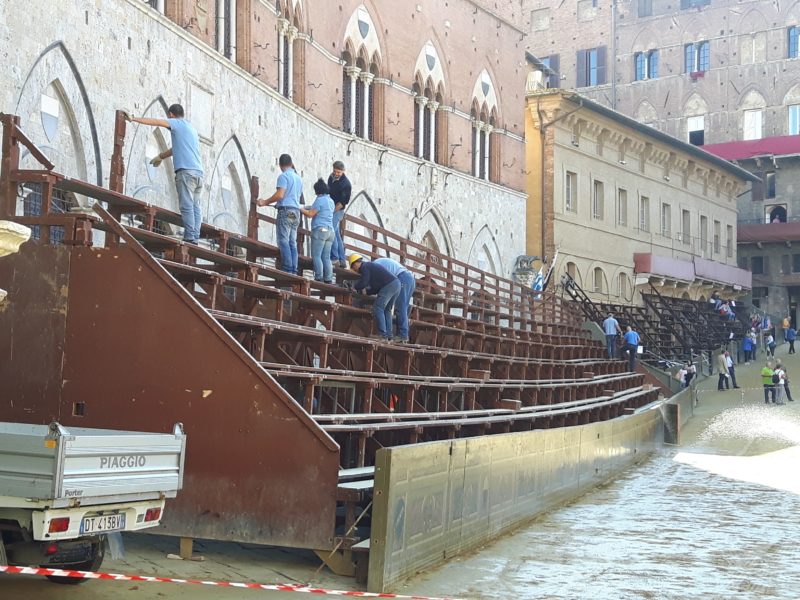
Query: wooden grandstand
x=486, y=355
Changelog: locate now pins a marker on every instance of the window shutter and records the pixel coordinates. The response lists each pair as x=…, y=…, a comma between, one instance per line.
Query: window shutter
x=653, y=65
x=580, y=63
x=555, y=78
x=758, y=189
x=766, y=265
x=601, y=65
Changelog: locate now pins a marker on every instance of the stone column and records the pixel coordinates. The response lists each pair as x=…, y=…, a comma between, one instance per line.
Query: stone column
x=478, y=150
x=432, y=106
x=367, y=79
x=283, y=26
x=160, y=6
x=291, y=35
x=488, y=131
x=421, y=102
x=231, y=31
x=352, y=73
x=221, y=26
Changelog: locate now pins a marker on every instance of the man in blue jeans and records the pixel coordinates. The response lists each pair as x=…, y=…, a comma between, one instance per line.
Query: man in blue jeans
x=631, y=346
x=407, y=286
x=611, y=329
x=377, y=281
x=185, y=153
x=286, y=199
x=340, y=190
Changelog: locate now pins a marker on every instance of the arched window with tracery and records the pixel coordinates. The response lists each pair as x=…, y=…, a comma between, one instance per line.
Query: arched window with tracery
x=290, y=49
x=429, y=89
x=484, y=116
x=360, y=67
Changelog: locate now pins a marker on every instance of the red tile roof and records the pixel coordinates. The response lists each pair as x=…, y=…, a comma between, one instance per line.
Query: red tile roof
x=771, y=146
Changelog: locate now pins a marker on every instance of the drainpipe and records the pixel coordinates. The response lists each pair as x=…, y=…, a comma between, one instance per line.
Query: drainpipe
x=221, y=26
x=613, y=54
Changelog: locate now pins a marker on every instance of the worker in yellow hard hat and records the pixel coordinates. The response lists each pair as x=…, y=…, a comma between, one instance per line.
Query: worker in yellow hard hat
x=379, y=282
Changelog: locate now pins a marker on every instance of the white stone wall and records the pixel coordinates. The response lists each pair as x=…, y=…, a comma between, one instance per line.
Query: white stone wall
x=88, y=58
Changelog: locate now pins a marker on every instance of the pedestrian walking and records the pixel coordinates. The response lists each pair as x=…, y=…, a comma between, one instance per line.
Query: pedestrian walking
x=691, y=371
x=611, y=329
x=340, y=190
x=321, y=213
x=185, y=153
x=777, y=379
x=747, y=348
x=768, y=383
x=731, y=370
x=288, y=191
x=631, y=346
x=402, y=305
x=769, y=345
x=791, y=336
x=722, y=371
x=376, y=280
x=786, y=388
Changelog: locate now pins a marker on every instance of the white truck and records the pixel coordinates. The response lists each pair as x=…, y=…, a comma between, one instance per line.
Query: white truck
x=62, y=490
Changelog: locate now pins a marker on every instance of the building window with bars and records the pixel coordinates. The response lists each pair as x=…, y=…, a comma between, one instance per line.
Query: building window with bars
x=598, y=200
x=794, y=119
x=622, y=207
x=591, y=67
x=729, y=240
x=644, y=213
x=226, y=28
x=287, y=35
x=752, y=124
x=482, y=144
x=570, y=192
x=666, y=220
x=686, y=227
x=696, y=130
x=358, y=98
x=696, y=57
x=646, y=65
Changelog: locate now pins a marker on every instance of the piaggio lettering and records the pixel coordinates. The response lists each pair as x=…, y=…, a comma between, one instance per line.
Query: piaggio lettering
x=125, y=461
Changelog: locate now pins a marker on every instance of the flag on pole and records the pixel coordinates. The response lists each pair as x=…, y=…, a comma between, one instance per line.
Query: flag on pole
x=538, y=282
x=550, y=271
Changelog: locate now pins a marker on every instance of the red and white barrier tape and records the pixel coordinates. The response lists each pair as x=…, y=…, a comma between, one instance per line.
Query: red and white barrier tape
x=279, y=587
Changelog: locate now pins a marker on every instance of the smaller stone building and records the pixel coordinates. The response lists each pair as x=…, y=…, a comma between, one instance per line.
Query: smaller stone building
x=769, y=220
x=626, y=205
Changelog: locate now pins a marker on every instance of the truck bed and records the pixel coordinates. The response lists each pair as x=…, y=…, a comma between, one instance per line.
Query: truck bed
x=69, y=467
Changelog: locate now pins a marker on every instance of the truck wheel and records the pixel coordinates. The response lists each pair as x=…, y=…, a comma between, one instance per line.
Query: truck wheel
x=89, y=565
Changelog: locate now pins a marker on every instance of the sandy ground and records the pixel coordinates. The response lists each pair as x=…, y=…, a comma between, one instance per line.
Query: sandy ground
x=720, y=412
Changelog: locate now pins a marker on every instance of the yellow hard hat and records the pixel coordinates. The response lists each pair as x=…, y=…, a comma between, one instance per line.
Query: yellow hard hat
x=353, y=258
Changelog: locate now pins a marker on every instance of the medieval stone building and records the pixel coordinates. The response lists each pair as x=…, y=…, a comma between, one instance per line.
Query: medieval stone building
x=423, y=102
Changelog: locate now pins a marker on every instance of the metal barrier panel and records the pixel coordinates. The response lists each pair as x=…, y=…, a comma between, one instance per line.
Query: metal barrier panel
x=438, y=499
x=676, y=412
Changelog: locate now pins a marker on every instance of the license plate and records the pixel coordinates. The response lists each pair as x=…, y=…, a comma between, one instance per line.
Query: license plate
x=103, y=524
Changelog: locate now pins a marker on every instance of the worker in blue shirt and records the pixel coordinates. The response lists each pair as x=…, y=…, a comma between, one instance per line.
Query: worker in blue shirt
x=631, y=346
x=377, y=281
x=611, y=329
x=185, y=153
x=407, y=286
